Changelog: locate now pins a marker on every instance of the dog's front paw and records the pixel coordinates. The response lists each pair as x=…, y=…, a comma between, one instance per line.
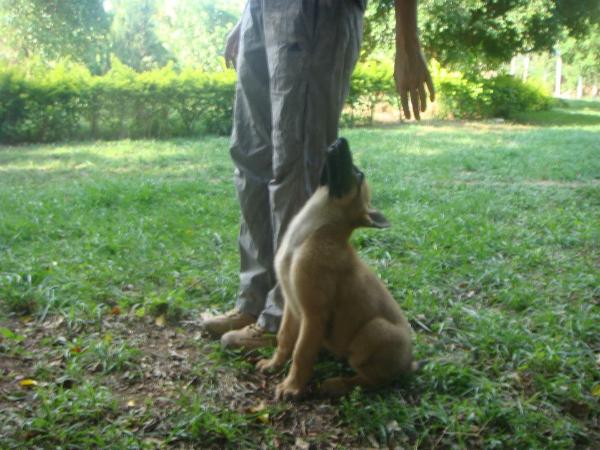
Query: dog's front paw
x=288, y=389
x=267, y=365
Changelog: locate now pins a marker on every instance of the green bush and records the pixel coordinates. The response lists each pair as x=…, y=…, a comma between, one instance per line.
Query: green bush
x=499, y=96
x=68, y=103
x=372, y=83
x=457, y=96
x=509, y=95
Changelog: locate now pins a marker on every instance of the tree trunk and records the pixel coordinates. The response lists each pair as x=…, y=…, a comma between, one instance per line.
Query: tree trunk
x=558, y=77
x=526, y=67
x=579, y=87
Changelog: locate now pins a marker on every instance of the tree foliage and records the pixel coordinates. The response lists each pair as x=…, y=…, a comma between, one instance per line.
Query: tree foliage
x=486, y=32
x=133, y=35
x=195, y=31
x=53, y=29
x=584, y=53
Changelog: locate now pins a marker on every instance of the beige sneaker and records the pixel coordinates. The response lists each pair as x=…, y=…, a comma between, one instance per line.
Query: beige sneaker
x=248, y=338
x=232, y=320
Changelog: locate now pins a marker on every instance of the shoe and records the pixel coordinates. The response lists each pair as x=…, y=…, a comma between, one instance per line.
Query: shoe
x=232, y=320
x=248, y=338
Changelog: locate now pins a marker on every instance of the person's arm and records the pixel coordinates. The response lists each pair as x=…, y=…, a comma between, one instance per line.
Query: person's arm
x=410, y=70
x=232, y=46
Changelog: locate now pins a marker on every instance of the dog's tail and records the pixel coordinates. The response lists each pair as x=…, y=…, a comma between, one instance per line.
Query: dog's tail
x=418, y=365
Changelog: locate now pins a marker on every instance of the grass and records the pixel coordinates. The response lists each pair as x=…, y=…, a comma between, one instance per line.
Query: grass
x=493, y=254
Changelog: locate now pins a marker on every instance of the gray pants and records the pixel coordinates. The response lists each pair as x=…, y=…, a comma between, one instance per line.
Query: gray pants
x=294, y=65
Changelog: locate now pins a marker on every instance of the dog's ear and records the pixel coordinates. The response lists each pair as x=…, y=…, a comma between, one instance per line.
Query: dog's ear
x=376, y=219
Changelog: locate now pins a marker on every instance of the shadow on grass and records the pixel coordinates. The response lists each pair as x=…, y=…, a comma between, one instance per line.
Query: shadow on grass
x=584, y=104
x=558, y=117
x=569, y=113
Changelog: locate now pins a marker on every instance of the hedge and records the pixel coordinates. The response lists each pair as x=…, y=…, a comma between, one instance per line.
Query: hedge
x=68, y=103
x=499, y=96
x=71, y=104
x=456, y=95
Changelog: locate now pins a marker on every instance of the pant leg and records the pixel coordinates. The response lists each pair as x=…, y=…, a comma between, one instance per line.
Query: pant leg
x=312, y=47
x=251, y=151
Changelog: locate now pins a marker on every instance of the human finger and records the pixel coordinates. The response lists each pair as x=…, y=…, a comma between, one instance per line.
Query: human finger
x=430, y=87
x=404, y=100
x=422, y=97
x=414, y=98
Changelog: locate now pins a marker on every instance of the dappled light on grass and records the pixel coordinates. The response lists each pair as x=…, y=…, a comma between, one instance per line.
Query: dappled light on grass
x=582, y=113
x=493, y=254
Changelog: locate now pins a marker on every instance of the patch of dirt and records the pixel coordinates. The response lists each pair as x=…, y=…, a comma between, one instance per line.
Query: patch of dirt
x=173, y=362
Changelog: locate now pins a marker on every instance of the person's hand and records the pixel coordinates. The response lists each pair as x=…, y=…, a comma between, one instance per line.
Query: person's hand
x=411, y=76
x=232, y=46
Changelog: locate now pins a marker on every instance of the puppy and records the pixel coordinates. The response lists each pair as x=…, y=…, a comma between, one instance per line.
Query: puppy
x=332, y=299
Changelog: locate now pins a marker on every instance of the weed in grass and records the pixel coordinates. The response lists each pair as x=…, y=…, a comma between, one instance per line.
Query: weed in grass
x=493, y=254
x=384, y=420
x=73, y=418
x=200, y=422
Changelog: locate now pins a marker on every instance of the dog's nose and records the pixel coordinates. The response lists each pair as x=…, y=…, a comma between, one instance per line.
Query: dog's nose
x=340, y=145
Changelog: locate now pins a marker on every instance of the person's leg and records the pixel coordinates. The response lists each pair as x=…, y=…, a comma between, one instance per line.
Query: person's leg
x=251, y=152
x=312, y=47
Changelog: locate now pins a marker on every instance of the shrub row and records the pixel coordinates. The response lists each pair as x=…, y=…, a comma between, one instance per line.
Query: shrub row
x=479, y=98
x=68, y=103
x=457, y=96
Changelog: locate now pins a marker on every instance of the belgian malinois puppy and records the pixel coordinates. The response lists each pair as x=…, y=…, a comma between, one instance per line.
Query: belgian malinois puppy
x=332, y=298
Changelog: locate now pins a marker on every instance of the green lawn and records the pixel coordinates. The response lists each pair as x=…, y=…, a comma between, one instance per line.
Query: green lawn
x=110, y=251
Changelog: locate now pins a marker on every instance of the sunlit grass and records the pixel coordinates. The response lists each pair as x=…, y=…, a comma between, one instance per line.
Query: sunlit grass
x=493, y=253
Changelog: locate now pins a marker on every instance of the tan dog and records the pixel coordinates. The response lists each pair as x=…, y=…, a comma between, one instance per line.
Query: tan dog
x=332, y=299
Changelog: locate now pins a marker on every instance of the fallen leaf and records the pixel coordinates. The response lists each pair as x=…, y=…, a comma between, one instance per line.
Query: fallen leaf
x=596, y=390
x=373, y=441
x=160, y=321
x=28, y=383
x=301, y=444
x=131, y=404
x=260, y=410
x=115, y=311
x=54, y=324
x=392, y=427
x=177, y=356
x=264, y=418
x=76, y=349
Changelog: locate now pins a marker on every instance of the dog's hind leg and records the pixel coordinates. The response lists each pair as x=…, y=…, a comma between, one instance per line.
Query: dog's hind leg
x=380, y=352
x=339, y=386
